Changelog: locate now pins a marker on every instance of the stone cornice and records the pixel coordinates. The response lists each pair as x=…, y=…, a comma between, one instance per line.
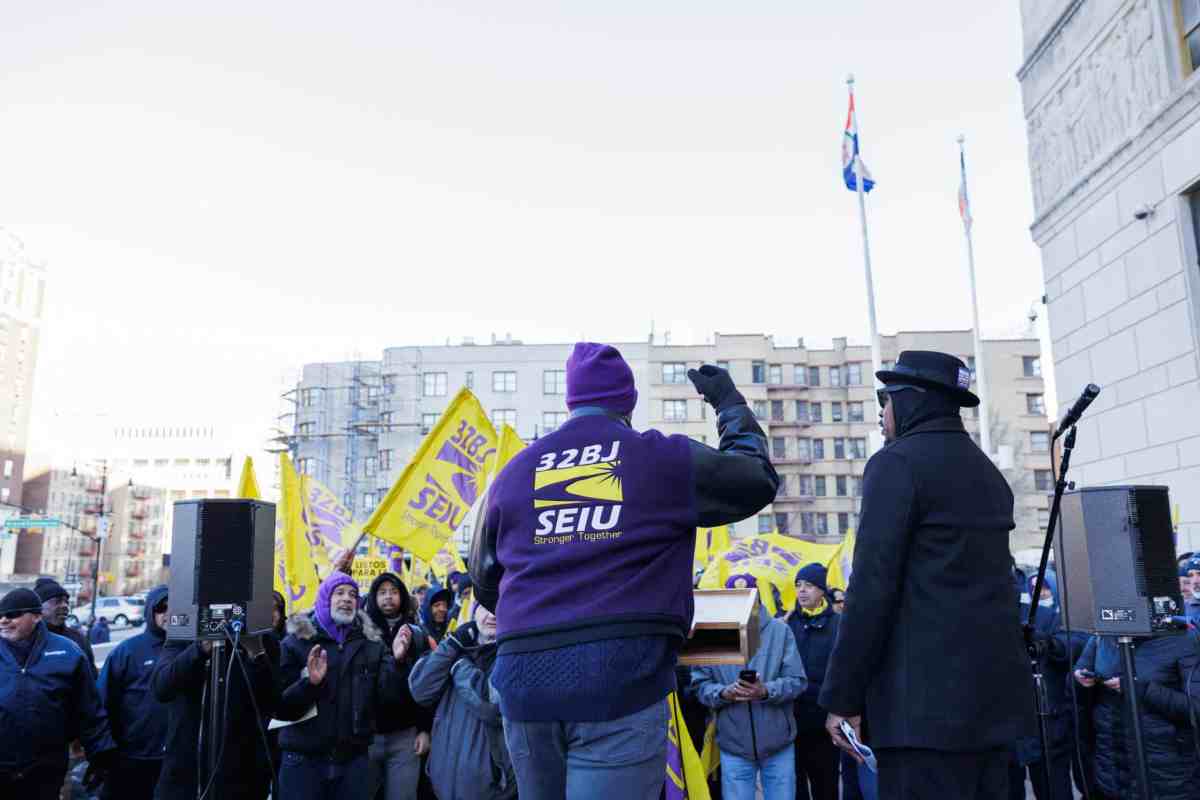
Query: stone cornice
x=1044, y=42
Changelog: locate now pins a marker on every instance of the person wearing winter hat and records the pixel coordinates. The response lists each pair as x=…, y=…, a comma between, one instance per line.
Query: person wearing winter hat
x=435, y=613
x=402, y=731
x=56, y=605
x=330, y=660
x=49, y=699
x=574, y=521
x=815, y=627
x=1191, y=600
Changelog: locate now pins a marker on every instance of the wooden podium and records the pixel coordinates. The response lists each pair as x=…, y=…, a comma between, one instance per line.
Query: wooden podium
x=724, y=628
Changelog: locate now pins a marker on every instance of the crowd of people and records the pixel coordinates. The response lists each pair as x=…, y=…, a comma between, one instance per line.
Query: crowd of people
x=541, y=674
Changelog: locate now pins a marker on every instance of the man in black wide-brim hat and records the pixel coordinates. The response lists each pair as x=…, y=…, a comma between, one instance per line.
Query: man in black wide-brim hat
x=929, y=665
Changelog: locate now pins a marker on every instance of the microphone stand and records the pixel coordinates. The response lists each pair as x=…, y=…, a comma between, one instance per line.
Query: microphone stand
x=1036, y=649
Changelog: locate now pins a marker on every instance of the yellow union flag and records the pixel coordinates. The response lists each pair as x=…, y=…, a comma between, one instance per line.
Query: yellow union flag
x=300, y=573
x=248, y=484
x=442, y=481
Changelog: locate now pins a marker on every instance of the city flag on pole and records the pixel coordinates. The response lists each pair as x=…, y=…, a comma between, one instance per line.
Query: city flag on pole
x=248, y=483
x=442, y=481
x=850, y=153
x=964, y=202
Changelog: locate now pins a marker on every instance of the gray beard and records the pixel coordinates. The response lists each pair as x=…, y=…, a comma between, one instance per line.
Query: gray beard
x=340, y=618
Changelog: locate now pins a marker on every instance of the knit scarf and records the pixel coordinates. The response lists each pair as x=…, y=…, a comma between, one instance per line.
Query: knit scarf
x=815, y=612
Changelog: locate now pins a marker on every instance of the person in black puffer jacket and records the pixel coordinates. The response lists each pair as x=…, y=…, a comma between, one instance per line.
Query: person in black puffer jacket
x=1167, y=690
x=402, y=731
x=815, y=627
x=328, y=662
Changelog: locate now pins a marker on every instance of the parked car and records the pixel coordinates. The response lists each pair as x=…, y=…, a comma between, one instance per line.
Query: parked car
x=120, y=611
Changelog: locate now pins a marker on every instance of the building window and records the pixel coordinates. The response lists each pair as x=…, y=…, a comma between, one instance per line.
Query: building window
x=1188, y=17
x=835, y=411
x=806, y=522
x=839, y=484
x=504, y=382
x=306, y=466
x=758, y=372
x=5, y=493
x=776, y=411
x=428, y=421
x=674, y=372
x=802, y=411
x=784, y=483
x=1043, y=517
x=819, y=485
x=385, y=460
x=855, y=486
x=821, y=526
x=814, y=412
x=1039, y=441
x=385, y=421
x=307, y=428
x=804, y=449
x=835, y=376
x=799, y=375
x=775, y=374
x=806, y=488
x=778, y=447
x=552, y=419
x=504, y=416
x=854, y=374
x=1031, y=366
x=1043, y=481
x=765, y=522
x=781, y=522
x=760, y=409
x=8, y=468
x=814, y=376
x=839, y=447
x=818, y=449
x=368, y=501
x=675, y=410
x=554, y=381
x=310, y=397
x=843, y=520
x=470, y=379
x=858, y=447
x=370, y=466
x=434, y=384
x=855, y=411
x=1035, y=404
x=723, y=365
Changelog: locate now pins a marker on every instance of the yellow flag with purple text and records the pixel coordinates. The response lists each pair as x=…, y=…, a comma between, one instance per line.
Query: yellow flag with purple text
x=300, y=573
x=686, y=778
x=443, y=480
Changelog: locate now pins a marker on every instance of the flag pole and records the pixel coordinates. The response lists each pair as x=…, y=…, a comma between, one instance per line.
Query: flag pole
x=985, y=433
x=876, y=358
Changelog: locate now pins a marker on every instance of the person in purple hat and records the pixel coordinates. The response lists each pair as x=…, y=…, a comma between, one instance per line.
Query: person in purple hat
x=331, y=663
x=585, y=556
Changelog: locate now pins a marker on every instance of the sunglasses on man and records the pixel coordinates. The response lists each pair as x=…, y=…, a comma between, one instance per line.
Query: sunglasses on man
x=11, y=615
x=882, y=395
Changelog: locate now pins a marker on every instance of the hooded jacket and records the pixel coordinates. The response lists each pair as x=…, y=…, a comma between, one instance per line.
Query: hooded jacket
x=47, y=702
x=362, y=678
x=138, y=720
x=764, y=727
x=814, y=637
x=468, y=759
x=928, y=648
x=407, y=713
x=1164, y=666
x=437, y=629
x=178, y=682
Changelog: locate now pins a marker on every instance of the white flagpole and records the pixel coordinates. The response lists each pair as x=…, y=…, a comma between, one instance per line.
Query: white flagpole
x=985, y=433
x=876, y=358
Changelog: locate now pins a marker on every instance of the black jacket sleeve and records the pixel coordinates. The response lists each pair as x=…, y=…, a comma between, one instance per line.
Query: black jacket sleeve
x=885, y=527
x=737, y=480
x=485, y=567
x=180, y=669
x=1175, y=704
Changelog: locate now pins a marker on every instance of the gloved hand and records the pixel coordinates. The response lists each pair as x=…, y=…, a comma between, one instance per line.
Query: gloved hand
x=99, y=765
x=716, y=386
x=420, y=643
x=465, y=636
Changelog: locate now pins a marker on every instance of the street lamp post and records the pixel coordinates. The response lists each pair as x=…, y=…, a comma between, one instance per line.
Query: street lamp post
x=101, y=535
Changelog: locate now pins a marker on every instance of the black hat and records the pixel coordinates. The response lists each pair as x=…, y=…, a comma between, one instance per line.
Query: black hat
x=20, y=600
x=935, y=371
x=48, y=589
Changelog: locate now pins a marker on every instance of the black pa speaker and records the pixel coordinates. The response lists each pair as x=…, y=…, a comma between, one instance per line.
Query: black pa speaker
x=1115, y=553
x=222, y=553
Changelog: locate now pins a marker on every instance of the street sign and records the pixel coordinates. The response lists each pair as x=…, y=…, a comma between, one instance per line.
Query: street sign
x=29, y=522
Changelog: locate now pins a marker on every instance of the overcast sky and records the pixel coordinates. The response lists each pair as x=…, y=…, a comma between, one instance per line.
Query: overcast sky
x=223, y=191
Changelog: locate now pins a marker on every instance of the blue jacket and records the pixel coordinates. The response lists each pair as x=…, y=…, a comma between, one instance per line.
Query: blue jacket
x=47, y=702
x=815, y=636
x=762, y=728
x=138, y=720
x=99, y=633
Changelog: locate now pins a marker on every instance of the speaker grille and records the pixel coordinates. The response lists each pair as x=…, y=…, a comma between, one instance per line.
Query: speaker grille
x=1154, y=542
x=225, y=566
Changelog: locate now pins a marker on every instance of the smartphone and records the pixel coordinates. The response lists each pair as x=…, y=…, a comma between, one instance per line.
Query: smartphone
x=748, y=676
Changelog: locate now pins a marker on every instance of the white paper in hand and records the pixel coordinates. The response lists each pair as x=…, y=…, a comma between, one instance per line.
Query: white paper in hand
x=276, y=724
x=867, y=754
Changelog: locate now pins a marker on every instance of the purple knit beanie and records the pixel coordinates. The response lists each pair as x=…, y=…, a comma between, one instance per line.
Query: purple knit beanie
x=597, y=375
x=324, y=596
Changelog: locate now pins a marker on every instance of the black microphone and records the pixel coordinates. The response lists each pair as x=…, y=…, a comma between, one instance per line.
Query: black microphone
x=1076, y=411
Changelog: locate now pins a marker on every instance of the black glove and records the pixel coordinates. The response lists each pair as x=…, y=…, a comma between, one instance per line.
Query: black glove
x=465, y=636
x=716, y=386
x=99, y=765
x=420, y=643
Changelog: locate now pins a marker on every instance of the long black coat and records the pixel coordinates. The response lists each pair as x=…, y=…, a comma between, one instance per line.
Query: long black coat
x=929, y=647
x=814, y=639
x=1163, y=666
x=178, y=681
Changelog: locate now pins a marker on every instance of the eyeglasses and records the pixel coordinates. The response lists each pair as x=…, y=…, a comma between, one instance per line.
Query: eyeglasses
x=11, y=615
x=882, y=394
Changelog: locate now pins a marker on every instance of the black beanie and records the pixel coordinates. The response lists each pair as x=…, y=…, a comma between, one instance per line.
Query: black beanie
x=22, y=600
x=48, y=589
